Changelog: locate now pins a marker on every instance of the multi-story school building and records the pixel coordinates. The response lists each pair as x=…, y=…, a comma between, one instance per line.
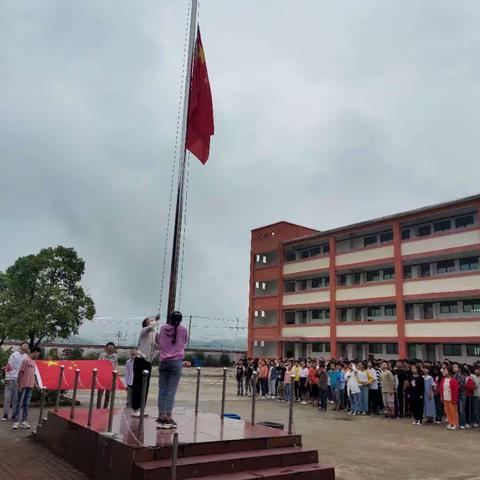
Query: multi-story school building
x=402, y=286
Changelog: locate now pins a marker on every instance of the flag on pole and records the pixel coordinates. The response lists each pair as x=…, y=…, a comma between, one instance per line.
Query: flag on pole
x=200, y=108
x=48, y=373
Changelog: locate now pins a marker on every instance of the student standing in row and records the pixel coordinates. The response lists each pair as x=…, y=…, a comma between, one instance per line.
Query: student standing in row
x=239, y=376
x=429, y=409
x=129, y=376
x=417, y=392
x=26, y=384
x=110, y=355
x=449, y=394
x=11, y=380
x=388, y=391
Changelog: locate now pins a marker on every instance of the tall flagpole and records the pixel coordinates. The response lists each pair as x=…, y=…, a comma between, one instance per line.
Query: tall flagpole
x=177, y=232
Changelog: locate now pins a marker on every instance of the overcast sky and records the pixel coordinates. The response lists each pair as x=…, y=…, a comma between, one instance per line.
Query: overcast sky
x=326, y=113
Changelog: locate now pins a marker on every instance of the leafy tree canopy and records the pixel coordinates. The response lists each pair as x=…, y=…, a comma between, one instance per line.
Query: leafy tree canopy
x=44, y=298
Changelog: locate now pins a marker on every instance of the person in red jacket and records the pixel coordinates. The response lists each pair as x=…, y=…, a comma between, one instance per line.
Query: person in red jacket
x=449, y=395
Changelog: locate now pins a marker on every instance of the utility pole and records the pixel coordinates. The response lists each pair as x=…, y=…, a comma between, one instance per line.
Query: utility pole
x=189, y=330
x=236, y=333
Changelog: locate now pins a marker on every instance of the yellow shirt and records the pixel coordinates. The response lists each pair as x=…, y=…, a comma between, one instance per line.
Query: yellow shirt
x=296, y=372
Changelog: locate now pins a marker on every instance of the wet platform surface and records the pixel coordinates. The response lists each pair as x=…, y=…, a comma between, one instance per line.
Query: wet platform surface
x=192, y=429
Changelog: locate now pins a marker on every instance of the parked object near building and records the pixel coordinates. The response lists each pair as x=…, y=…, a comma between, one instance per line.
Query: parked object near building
x=401, y=286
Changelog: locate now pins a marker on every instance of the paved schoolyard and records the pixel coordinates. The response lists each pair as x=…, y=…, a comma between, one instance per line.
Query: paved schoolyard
x=361, y=448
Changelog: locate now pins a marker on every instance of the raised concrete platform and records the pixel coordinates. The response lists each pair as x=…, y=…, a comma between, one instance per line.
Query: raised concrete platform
x=209, y=448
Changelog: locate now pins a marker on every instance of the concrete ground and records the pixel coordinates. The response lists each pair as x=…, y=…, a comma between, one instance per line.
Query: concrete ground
x=360, y=448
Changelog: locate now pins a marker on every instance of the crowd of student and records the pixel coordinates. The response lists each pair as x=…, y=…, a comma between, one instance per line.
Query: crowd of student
x=422, y=391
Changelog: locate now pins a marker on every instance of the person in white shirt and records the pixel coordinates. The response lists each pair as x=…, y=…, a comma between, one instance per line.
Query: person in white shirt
x=353, y=388
x=129, y=376
x=11, y=377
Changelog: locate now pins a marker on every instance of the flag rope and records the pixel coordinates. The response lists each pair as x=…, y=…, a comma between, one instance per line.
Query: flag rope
x=174, y=163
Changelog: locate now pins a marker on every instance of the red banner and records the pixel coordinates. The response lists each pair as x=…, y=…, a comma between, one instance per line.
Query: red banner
x=48, y=373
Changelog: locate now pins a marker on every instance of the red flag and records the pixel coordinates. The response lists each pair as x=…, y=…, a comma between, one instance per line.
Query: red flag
x=200, y=109
x=48, y=373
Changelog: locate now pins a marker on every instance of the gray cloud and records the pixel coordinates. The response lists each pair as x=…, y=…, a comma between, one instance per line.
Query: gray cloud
x=326, y=113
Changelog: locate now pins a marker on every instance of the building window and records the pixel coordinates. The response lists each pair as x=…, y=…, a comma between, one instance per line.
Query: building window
x=390, y=310
x=372, y=240
x=327, y=313
x=386, y=237
x=448, y=307
x=316, y=314
x=373, y=276
x=392, y=348
x=473, y=350
x=343, y=314
x=342, y=279
x=407, y=271
x=424, y=231
x=471, y=306
x=376, y=348
x=409, y=311
x=389, y=273
x=290, y=256
x=325, y=250
x=317, y=282
x=302, y=316
x=289, y=317
x=469, y=264
x=463, y=222
x=405, y=234
x=305, y=253
x=427, y=311
x=356, y=278
x=425, y=270
x=374, y=311
x=452, y=350
x=302, y=285
x=447, y=266
x=290, y=286
x=358, y=314
x=315, y=251
x=442, y=226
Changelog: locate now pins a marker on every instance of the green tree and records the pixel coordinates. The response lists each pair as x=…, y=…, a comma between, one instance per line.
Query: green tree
x=44, y=295
x=5, y=313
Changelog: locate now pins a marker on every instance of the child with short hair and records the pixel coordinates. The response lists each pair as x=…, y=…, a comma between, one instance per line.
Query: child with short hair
x=26, y=384
x=129, y=376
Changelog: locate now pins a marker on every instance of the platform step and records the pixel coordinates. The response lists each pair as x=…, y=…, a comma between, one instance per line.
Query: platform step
x=296, y=472
x=226, y=463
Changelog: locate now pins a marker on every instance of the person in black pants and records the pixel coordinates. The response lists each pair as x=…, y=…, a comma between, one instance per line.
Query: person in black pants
x=417, y=393
x=143, y=361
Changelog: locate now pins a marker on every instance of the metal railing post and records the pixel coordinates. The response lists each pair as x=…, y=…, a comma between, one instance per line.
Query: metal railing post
x=92, y=397
x=112, y=400
x=290, y=407
x=145, y=374
x=59, y=387
x=42, y=407
x=173, y=474
x=254, y=395
x=224, y=389
x=197, y=393
x=74, y=394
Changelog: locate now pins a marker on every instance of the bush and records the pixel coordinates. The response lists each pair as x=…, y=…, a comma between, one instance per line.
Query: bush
x=53, y=354
x=91, y=356
x=75, y=354
x=211, y=361
x=189, y=358
x=225, y=360
x=122, y=359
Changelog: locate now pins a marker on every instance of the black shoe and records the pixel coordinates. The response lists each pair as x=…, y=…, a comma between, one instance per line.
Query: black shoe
x=171, y=423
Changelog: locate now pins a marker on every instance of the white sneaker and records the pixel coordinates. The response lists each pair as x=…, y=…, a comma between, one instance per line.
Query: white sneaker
x=15, y=426
x=454, y=427
x=25, y=425
x=136, y=413
x=475, y=425
x=414, y=422
x=303, y=403
x=4, y=418
x=462, y=427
